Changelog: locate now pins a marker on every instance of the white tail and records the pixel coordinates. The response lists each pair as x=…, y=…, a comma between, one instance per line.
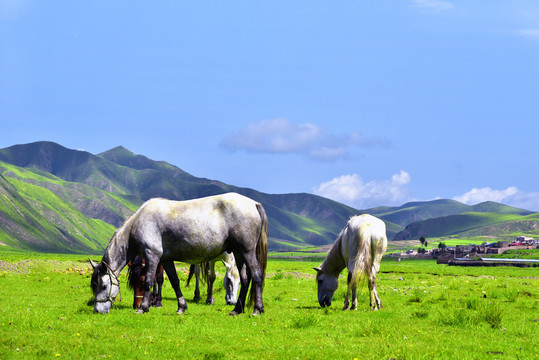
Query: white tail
x=364, y=257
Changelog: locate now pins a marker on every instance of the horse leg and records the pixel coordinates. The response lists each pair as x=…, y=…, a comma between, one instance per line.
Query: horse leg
x=196, y=269
x=244, y=281
x=254, y=274
x=354, y=297
x=159, y=279
x=371, y=292
x=375, y=300
x=210, y=280
x=347, y=299
x=175, y=282
x=148, y=284
x=152, y=261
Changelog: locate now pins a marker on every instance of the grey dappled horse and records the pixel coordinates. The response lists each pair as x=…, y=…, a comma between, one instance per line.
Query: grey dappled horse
x=359, y=247
x=231, y=280
x=192, y=231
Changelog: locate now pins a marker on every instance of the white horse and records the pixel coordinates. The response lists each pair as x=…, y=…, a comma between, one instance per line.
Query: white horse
x=193, y=231
x=231, y=280
x=360, y=247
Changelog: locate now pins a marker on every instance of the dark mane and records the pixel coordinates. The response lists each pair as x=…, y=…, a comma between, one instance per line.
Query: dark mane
x=134, y=272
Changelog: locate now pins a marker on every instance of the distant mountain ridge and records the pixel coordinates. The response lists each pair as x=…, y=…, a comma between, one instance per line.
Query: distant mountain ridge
x=58, y=199
x=423, y=210
x=119, y=176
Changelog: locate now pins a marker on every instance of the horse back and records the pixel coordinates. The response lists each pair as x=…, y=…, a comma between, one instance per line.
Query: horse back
x=363, y=232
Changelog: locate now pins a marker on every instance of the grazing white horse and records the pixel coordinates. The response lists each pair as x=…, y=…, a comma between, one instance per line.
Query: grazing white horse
x=359, y=247
x=191, y=231
x=231, y=280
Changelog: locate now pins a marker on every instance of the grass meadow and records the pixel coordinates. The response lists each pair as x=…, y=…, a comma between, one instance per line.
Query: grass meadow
x=430, y=312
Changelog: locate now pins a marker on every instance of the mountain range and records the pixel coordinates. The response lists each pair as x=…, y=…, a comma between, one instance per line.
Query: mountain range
x=56, y=199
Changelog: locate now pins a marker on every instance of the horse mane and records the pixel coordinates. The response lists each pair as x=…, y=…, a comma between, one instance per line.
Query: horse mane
x=120, y=239
x=134, y=272
x=95, y=274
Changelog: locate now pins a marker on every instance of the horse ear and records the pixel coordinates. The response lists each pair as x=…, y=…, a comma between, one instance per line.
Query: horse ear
x=317, y=269
x=94, y=265
x=227, y=265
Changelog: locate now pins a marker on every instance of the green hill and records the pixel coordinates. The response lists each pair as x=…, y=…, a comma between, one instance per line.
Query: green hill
x=464, y=224
x=424, y=210
x=418, y=211
x=33, y=217
x=108, y=187
x=62, y=200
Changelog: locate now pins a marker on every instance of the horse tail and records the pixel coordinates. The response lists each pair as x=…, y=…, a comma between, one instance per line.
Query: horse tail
x=205, y=270
x=261, y=249
x=191, y=273
x=363, y=260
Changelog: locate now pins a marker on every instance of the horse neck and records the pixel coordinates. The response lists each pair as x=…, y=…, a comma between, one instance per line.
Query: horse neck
x=117, y=253
x=334, y=262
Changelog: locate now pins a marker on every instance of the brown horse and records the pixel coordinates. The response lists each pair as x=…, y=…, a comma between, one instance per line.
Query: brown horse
x=136, y=275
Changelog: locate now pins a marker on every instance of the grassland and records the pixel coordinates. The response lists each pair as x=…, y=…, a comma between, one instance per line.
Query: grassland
x=430, y=312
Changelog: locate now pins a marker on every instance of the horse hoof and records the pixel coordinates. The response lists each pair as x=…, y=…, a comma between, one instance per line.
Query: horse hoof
x=140, y=311
x=233, y=313
x=256, y=312
x=180, y=311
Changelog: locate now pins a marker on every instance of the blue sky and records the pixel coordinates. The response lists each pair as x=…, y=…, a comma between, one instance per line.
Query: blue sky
x=366, y=102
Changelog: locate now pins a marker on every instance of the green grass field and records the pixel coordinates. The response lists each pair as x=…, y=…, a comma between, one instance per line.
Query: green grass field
x=430, y=312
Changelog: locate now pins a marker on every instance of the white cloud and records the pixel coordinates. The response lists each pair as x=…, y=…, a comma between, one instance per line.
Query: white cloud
x=281, y=136
x=434, y=5
x=273, y=136
x=476, y=195
x=530, y=33
x=353, y=191
x=511, y=196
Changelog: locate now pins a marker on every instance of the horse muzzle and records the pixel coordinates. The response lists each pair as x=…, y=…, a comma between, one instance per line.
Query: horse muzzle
x=325, y=302
x=102, y=307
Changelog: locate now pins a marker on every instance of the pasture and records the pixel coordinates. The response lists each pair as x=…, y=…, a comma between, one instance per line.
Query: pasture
x=430, y=312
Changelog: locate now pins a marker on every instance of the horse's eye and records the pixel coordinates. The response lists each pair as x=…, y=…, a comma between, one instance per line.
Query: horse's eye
x=104, y=286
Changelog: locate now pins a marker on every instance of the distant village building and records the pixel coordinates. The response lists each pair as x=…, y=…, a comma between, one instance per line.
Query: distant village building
x=443, y=256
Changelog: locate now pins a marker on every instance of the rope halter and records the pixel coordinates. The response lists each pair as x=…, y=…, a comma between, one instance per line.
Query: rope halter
x=113, y=281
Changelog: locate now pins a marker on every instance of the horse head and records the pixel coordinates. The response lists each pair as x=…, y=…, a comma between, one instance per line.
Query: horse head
x=327, y=284
x=136, y=275
x=105, y=285
x=231, y=282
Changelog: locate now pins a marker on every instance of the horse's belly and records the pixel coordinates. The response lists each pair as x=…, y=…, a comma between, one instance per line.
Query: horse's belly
x=192, y=249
